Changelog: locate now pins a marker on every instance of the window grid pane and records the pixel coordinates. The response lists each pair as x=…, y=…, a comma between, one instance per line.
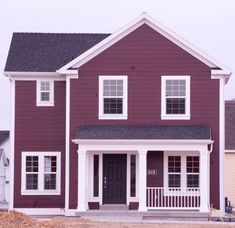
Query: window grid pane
x=45, y=96
x=49, y=181
x=113, y=105
x=50, y=167
x=192, y=171
x=45, y=86
x=31, y=181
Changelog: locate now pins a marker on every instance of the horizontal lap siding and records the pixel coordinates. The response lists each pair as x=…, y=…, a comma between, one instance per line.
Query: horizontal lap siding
x=145, y=55
x=38, y=129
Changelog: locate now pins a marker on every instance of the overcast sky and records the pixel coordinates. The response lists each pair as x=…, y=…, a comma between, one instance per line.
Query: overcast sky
x=208, y=24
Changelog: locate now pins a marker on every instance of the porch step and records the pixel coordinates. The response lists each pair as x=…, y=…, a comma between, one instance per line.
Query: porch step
x=119, y=207
x=176, y=215
x=148, y=215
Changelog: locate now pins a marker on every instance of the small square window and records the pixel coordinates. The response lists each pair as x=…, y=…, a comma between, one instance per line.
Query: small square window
x=45, y=93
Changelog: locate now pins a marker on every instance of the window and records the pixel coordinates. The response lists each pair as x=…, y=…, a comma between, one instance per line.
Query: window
x=112, y=97
x=181, y=171
x=40, y=173
x=96, y=175
x=45, y=93
x=175, y=97
x=174, y=171
x=133, y=176
x=192, y=171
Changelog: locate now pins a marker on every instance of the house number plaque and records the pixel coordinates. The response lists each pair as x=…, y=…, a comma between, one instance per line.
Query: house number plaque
x=152, y=172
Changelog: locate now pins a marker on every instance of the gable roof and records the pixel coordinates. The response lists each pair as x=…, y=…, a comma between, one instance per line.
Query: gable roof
x=147, y=132
x=3, y=136
x=230, y=125
x=47, y=52
x=57, y=52
x=144, y=18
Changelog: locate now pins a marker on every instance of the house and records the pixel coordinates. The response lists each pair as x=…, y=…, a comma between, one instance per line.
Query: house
x=4, y=165
x=132, y=118
x=229, y=160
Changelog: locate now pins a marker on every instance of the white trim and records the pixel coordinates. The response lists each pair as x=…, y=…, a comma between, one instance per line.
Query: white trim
x=40, y=190
x=229, y=151
x=67, y=144
x=39, y=102
x=28, y=73
x=141, y=142
x=101, y=114
x=41, y=211
x=221, y=143
x=144, y=18
x=70, y=212
x=164, y=115
x=12, y=145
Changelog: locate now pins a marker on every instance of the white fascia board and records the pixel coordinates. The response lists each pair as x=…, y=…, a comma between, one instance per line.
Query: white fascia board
x=27, y=73
x=139, y=142
x=229, y=151
x=144, y=18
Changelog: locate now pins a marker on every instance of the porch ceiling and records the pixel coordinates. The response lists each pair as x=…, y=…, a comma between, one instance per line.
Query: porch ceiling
x=144, y=132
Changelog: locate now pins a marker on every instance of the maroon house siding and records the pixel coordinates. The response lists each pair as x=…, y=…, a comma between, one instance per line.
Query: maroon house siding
x=155, y=162
x=145, y=55
x=38, y=129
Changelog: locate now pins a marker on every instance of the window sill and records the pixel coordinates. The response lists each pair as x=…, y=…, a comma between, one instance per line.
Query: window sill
x=45, y=192
x=175, y=117
x=113, y=117
x=49, y=104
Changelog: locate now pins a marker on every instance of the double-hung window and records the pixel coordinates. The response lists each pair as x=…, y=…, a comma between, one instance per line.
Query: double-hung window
x=45, y=93
x=181, y=171
x=175, y=101
x=40, y=173
x=113, y=97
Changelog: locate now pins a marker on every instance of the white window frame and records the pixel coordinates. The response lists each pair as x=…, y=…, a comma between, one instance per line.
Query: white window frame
x=40, y=190
x=164, y=115
x=101, y=114
x=39, y=102
x=183, y=172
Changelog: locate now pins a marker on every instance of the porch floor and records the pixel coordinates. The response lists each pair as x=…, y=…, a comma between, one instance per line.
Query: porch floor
x=137, y=216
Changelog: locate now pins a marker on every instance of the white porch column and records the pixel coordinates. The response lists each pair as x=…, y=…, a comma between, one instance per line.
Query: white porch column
x=142, y=179
x=204, y=181
x=81, y=180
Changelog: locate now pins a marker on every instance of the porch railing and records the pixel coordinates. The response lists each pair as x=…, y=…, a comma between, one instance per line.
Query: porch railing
x=174, y=198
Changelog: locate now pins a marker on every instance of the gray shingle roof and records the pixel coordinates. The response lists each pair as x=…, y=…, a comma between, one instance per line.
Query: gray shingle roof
x=230, y=125
x=47, y=52
x=4, y=135
x=143, y=132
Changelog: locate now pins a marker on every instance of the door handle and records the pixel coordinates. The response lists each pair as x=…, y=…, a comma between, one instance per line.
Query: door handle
x=105, y=182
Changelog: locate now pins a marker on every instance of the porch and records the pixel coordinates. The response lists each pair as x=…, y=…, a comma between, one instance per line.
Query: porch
x=144, y=175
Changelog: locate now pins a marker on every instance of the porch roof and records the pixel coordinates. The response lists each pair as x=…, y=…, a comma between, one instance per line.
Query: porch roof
x=155, y=132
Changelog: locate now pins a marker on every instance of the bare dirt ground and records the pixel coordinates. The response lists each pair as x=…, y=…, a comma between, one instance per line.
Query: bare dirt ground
x=15, y=219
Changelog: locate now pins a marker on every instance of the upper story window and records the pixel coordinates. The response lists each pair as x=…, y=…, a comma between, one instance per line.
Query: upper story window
x=40, y=173
x=112, y=97
x=175, y=101
x=45, y=93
